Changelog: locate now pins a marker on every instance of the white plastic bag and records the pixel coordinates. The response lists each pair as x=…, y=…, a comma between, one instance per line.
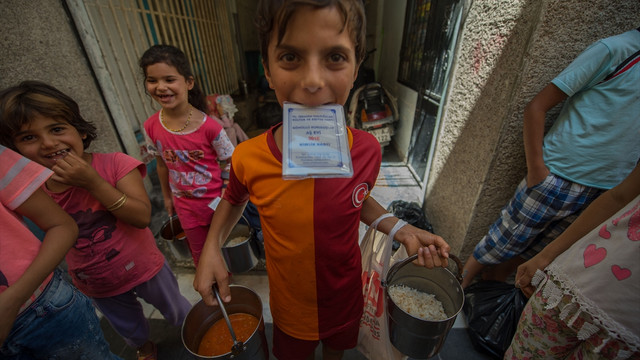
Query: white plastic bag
x=373, y=339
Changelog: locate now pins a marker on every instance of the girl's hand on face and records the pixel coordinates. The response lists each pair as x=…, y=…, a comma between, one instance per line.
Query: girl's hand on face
x=75, y=171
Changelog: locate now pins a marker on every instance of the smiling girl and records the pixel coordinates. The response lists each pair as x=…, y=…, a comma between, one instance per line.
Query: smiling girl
x=187, y=143
x=115, y=259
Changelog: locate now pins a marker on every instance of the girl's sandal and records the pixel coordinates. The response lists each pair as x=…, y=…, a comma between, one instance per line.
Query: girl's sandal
x=152, y=356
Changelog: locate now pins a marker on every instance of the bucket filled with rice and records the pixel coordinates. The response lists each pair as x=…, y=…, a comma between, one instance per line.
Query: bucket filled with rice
x=422, y=305
x=238, y=250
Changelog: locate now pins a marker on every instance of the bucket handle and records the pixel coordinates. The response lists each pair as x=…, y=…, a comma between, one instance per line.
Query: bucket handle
x=173, y=233
x=242, y=217
x=413, y=257
x=238, y=347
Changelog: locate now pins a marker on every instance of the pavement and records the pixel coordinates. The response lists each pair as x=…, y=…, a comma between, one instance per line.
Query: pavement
x=168, y=337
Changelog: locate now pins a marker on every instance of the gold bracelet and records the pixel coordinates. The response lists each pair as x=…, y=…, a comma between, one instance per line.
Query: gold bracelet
x=119, y=203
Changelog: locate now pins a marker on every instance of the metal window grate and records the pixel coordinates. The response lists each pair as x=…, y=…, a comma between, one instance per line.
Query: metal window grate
x=429, y=38
x=430, y=26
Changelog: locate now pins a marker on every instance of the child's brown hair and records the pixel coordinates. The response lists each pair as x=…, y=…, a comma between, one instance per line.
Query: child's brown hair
x=172, y=56
x=20, y=104
x=274, y=15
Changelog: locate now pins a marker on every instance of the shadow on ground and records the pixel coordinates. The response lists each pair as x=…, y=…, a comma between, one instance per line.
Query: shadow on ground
x=168, y=340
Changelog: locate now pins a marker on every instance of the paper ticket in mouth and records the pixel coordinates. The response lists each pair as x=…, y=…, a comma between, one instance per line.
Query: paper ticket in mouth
x=315, y=142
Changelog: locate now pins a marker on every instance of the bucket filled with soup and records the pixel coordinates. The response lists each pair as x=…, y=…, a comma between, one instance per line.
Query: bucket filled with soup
x=206, y=335
x=422, y=305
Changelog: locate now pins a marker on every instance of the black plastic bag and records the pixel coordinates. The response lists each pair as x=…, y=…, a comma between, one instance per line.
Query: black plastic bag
x=410, y=212
x=493, y=309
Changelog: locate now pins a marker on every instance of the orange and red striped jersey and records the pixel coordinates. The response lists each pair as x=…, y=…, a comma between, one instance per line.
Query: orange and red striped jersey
x=310, y=229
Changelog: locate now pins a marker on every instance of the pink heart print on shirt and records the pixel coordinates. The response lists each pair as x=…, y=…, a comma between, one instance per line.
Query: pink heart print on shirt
x=620, y=273
x=604, y=233
x=633, y=233
x=593, y=255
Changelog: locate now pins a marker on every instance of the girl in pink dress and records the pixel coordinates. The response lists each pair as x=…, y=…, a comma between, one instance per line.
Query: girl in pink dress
x=585, y=285
x=115, y=260
x=186, y=142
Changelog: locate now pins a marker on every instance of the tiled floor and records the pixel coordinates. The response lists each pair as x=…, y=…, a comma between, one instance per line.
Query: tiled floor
x=394, y=183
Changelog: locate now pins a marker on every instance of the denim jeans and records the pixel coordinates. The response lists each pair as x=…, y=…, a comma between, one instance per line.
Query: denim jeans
x=61, y=324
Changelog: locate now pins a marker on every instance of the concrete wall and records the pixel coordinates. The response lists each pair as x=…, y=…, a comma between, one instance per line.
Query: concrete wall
x=39, y=43
x=509, y=50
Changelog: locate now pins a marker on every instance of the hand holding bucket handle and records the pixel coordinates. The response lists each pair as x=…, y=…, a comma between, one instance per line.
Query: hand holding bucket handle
x=421, y=338
x=413, y=257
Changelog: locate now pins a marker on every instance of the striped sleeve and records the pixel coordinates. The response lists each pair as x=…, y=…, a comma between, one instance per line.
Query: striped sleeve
x=19, y=177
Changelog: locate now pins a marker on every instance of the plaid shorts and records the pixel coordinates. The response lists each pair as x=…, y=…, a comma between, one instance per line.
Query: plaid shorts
x=533, y=218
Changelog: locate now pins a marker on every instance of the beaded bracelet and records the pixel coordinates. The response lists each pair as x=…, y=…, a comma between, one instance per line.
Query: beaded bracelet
x=119, y=203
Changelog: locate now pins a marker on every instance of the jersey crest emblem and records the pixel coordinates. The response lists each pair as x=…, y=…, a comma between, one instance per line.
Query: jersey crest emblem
x=359, y=194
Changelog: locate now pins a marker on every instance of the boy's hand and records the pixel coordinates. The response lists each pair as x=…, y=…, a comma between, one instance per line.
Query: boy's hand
x=432, y=250
x=536, y=176
x=75, y=171
x=211, y=270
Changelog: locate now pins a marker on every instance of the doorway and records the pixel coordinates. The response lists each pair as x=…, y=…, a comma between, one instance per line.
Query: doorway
x=429, y=39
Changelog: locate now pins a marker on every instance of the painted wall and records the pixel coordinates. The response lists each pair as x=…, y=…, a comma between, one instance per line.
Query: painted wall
x=39, y=43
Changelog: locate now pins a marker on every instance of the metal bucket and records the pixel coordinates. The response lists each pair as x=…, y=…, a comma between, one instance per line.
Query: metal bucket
x=201, y=317
x=240, y=256
x=173, y=235
x=414, y=337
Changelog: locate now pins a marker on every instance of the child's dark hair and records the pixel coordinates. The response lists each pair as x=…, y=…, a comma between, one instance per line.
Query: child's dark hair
x=274, y=15
x=173, y=56
x=20, y=104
